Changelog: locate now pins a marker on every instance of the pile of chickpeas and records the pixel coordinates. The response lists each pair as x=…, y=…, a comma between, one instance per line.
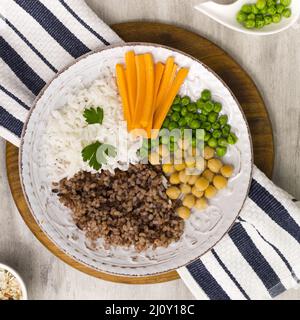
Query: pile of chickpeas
x=195, y=182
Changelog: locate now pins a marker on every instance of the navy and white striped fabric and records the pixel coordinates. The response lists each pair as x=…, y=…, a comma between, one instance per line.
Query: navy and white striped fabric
x=260, y=256
x=38, y=38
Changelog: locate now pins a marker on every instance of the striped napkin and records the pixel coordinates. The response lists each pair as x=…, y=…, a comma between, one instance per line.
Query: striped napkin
x=260, y=256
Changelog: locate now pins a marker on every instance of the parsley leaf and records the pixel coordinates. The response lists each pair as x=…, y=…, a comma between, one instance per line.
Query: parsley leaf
x=89, y=155
x=93, y=115
x=97, y=153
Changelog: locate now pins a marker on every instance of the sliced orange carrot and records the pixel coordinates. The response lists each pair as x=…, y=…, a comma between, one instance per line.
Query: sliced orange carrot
x=148, y=105
x=141, y=89
x=158, y=74
x=165, y=82
x=122, y=86
x=162, y=112
x=131, y=79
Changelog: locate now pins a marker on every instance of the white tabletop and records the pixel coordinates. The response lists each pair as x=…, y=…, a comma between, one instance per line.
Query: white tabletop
x=274, y=64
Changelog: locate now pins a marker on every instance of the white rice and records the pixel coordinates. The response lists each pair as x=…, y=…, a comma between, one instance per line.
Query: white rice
x=67, y=132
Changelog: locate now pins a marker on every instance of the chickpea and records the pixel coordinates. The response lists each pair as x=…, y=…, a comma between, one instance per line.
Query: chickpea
x=214, y=165
x=189, y=201
x=174, y=178
x=173, y=193
x=201, y=204
x=185, y=188
x=197, y=193
x=168, y=168
x=183, y=212
x=220, y=182
x=210, y=192
x=207, y=174
x=179, y=167
x=208, y=153
x=154, y=158
x=193, y=179
x=200, y=163
x=190, y=162
x=163, y=151
x=227, y=171
x=183, y=177
x=202, y=184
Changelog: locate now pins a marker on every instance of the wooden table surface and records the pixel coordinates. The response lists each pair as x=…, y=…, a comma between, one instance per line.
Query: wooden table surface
x=274, y=64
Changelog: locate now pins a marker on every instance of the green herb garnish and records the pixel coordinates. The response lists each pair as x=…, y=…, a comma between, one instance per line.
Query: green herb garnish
x=96, y=154
x=93, y=115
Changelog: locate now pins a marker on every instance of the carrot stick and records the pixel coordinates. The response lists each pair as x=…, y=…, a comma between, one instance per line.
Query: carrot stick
x=131, y=80
x=141, y=89
x=121, y=82
x=162, y=112
x=159, y=71
x=165, y=82
x=148, y=106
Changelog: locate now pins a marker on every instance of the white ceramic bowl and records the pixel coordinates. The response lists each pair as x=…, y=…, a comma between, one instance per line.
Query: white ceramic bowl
x=19, y=279
x=226, y=15
x=202, y=230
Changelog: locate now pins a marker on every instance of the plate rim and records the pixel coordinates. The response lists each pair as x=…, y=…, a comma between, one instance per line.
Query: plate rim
x=57, y=75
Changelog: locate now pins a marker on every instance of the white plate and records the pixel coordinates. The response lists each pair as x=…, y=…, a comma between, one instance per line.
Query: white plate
x=202, y=230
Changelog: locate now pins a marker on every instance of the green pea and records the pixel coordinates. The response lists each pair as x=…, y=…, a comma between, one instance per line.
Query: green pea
x=241, y=16
x=268, y=20
x=222, y=142
x=221, y=151
x=195, y=124
x=264, y=10
x=259, y=17
x=251, y=16
x=143, y=152
x=217, y=134
x=232, y=138
x=247, y=8
x=173, y=147
x=192, y=107
x=216, y=125
x=177, y=100
x=272, y=10
x=173, y=125
x=207, y=136
x=204, y=112
x=189, y=116
x=202, y=117
x=206, y=95
x=184, y=111
x=212, y=142
x=276, y=18
x=260, y=4
x=254, y=9
x=207, y=126
x=165, y=139
x=212, y=117
x=209, y=106
x=194, y=142
x=280, y=8
x=217, y=107
x=172, y=139
x=185, y=101
x=249, y=24
x=166, y=123
x=259, y=24
x=223, y=120
x=200, y=104
x=182, y=122
x=285, y=3
x=175, y=116
x=176, y=107
x=271, y=3
x=287, y=12
x=226, y=130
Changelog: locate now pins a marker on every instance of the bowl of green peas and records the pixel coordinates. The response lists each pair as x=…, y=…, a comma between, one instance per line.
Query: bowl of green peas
x=259, y=17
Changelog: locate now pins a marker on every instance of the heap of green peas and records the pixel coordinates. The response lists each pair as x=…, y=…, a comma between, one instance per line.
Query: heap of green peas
x=263, y=12
x=202, y=114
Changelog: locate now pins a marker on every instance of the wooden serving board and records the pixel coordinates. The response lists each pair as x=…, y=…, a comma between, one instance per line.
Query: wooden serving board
x=218, y=60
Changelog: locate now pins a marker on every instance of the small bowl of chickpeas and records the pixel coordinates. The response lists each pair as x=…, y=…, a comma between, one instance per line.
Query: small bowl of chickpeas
x=196, y=180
